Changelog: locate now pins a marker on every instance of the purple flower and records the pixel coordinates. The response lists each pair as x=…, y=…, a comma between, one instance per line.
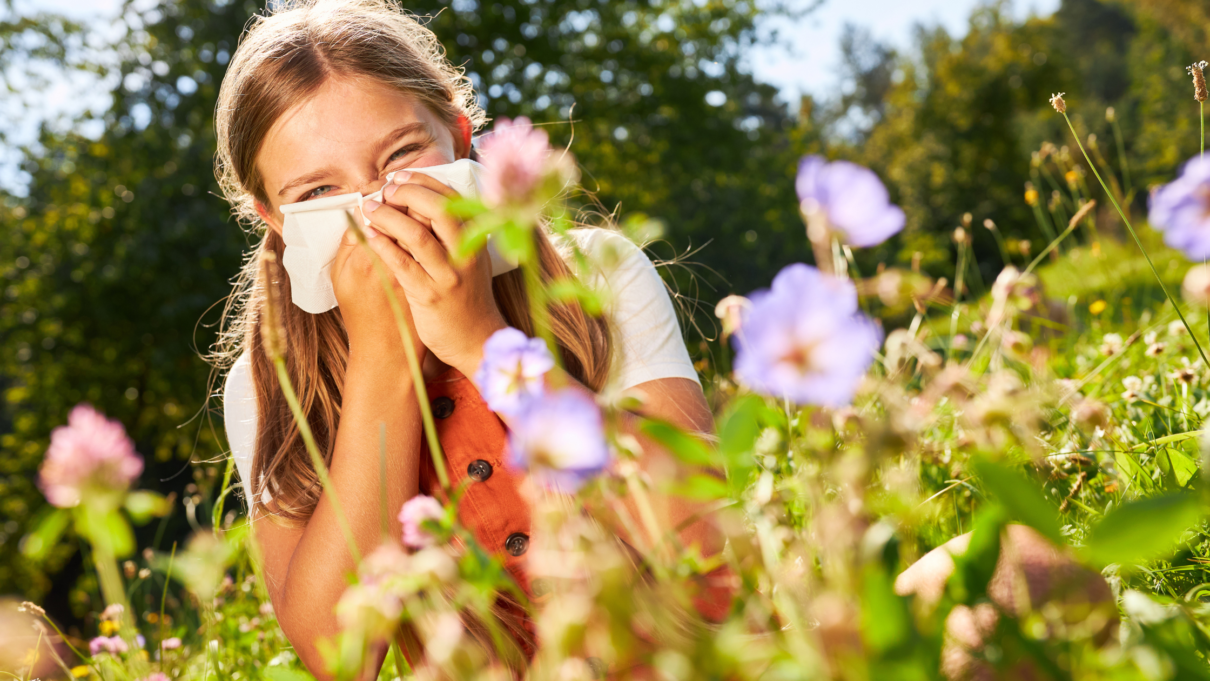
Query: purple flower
x=512, y=369
x=560, y=437
x=804, y=340
x=1181, y=210
x=91, y=455
x=106, y=644
x=517, y=159
x=852, y=198
x=414, y=513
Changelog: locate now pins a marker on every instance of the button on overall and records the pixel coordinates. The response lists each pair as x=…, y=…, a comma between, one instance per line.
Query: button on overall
x=516, y=544
x=479, y=470
x=443, y=407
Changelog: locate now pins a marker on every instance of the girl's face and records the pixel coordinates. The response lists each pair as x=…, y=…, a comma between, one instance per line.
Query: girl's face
x=345, y=139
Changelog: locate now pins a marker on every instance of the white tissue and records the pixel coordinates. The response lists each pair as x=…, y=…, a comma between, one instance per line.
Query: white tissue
x=313, y=231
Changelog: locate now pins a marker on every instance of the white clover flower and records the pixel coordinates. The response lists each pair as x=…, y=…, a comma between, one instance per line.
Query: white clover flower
x=1111, y=344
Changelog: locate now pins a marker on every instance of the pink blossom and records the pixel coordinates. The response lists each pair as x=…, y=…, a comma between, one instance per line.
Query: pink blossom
x=157, y=676
x=91, y=454
x=107, y=644
x=413, y=514
x=170, y=643
x=516, y=159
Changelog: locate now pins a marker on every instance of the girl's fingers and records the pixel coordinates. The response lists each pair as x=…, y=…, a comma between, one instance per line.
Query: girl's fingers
x=409, y=273
x=410, y=234
x=426, y=205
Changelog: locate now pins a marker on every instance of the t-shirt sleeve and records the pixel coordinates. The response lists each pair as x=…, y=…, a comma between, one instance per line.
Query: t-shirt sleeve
x=239, y=419
x=647, y=335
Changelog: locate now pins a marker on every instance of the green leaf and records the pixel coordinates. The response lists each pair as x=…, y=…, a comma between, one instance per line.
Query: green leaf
x=1143, y=530
x=699, y=488
x=144, y=505
x=107, y=530
x=44, y=537
x=973, y=569
x=740, y=426
x=516, y=242
x=474, y=238
x=682, y=445
x=286, y=674
x=568, y=290
x=1019, y=496
x=465, y=208
x=886, y=621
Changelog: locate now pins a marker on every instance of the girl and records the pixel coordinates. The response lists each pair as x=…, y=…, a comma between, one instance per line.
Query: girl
x=326, y=98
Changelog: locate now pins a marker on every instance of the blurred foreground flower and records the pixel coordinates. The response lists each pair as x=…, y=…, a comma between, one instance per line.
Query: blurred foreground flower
x=512, y=369
x=1196, y=287
x=91, y=457
x=560, y=438
x=413, y=515
x=730, y=311
x=1181, y=210
x=373, y=606
x=517, y=161
x=805, y=340
x=851, y=198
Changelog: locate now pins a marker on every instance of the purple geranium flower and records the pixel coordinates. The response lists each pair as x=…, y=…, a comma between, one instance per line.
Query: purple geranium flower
x=512, y=369
x=89, y=457
x=852, y=197
x=413, y=515
x=804, y=340
x=1181, y=210
x=560, y=437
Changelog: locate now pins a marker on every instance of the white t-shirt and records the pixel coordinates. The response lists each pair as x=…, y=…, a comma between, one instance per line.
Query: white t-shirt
x=647, y=338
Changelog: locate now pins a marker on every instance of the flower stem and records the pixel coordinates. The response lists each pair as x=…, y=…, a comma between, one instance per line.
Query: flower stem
x=1202, y=116
x=409, y=351
x=1139, y=242
x=304, y=429
x=1117, y=136
x=111, y=589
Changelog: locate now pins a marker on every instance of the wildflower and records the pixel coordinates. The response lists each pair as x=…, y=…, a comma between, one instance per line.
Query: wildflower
x=1196, y=285
x=157, y=676
x=1110, y=114
x=1133, y=386
x=805, y=340
x=1031, y=194
x=107, y=644
x=80, y=671
x=989, y=225
x=113, y=611
x=32, y=608
x=1199, y=80
x=1097, y=306
x=1072, y=177
x=273, y=330
x=1057, y=102
x=851, y=199
x=1091, y=412
x=1155, y=350
x=91, y=457
x=561, y=437
x=1181, y=210
x=1111, y=344
x=1183, y=375
x=374, y=604
x=1176, y=328
x=512, y=369
x=517, y=160
x=170, y=643
x=415, y=512
x=730, y=310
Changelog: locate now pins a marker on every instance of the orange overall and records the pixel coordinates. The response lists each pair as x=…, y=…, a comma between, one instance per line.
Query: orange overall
x=475, y=442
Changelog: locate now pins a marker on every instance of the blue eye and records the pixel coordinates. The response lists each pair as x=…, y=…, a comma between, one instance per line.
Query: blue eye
x=318, y=192
x=405, y=151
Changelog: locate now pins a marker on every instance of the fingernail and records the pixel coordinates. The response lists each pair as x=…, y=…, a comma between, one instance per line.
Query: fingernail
x=370, y=232
x=402, y=176
x=390, y=189
x=369, y=206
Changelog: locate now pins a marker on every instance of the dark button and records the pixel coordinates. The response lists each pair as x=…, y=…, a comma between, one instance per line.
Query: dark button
x=479, y=470
x=443, y=407
x=516, y=544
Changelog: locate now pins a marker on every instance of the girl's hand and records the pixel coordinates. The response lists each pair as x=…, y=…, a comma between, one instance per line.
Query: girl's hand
x=365, y=308
x=454, y=307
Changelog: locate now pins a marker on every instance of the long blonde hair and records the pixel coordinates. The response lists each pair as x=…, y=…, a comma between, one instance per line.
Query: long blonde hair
x=282, y=59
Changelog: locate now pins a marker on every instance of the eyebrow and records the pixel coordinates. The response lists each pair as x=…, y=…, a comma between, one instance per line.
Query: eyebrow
x=379, y=147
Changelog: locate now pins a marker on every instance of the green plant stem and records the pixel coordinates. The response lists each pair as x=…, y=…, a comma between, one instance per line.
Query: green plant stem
x=321, y=469
x=216, y=515
x=1053, y=245
x=959, y=278
x=164, y=598
x=409, y=351
x=110, y=577
x=1002, y=246
x=1117, y=136
x=1201, y=106
x=1139, y=242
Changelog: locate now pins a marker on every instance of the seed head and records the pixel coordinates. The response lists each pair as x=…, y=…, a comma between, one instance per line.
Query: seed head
x=989, y=224
x=1199, y=80
x=1057, y=102
x=1110, y=114
x=273, y=332
x=1082, y=213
